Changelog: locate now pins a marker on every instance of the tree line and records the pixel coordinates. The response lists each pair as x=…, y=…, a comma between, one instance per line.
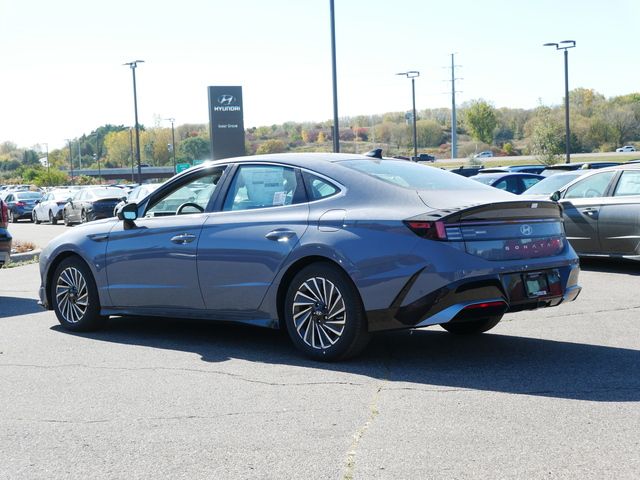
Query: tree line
x=597, y=124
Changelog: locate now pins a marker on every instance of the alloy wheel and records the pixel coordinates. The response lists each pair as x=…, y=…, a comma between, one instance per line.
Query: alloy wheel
x=72, y=295
x=319, y=313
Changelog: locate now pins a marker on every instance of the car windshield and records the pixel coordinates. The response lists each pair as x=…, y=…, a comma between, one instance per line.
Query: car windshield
x=486, y=179
x=412, y=175
x=553, y=183
x=28, y=195
x=108, y=193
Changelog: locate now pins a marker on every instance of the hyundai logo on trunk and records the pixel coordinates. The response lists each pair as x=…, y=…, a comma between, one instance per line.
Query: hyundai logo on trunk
x=526, y=230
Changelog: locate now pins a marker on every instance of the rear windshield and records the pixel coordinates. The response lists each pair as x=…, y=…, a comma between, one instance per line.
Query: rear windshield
x=553, y=183
x=28, y=195
x=413, y=176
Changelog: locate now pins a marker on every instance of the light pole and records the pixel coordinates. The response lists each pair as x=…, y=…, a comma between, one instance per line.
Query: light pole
x=48, y=169
x=173, y=143
x=565, y=45
x=412, y=74
x=336, y=127
x=70, y=160
x=133, y=64
x=96, y=156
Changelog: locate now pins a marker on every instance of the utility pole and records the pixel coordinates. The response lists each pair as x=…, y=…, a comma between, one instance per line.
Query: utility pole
x=454, y=121
x=336, y=127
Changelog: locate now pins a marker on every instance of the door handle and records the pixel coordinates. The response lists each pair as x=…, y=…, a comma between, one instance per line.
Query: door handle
x=591, y=212
x=280, y=235
x=183, y=238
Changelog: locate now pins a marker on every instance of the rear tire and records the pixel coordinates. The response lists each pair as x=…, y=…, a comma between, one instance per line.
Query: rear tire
x=472, y=327
x=74, y=296
x=12, y=217
x=324, y=315
x=83, y=217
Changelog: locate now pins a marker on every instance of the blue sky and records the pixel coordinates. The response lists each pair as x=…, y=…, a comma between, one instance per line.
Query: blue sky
x=62, y=72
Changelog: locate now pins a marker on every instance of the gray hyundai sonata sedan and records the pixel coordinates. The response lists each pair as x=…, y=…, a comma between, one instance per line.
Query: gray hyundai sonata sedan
x=331, y=247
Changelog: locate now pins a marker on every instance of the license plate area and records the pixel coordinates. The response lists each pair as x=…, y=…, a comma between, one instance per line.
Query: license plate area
x=542, y=284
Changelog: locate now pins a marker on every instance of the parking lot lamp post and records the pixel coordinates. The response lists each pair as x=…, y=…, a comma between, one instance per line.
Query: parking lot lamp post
x=336, y=128
x=565, y=45
x=133, y=64
x=48, y=169
x=173, y=143
x=70, y=160
x=412, y=75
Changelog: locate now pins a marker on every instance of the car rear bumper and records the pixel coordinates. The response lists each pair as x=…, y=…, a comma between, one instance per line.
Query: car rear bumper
x=471, y=298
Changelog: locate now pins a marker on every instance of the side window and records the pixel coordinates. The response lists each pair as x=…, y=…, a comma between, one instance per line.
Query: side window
x=593, y=186
x=502, y=185
x=187, y=198
x=263, y=186
x=629, y=184
x=318, y=188
x=529, y=182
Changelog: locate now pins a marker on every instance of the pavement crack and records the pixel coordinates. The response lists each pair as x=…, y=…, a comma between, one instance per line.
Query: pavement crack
x=190, y=370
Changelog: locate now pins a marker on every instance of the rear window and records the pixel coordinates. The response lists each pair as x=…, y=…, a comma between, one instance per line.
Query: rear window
x=413, y=176
x=28, y=195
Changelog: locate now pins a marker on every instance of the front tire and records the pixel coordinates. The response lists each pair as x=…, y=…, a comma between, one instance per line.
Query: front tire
x=52, y=219
x=75, y=297
x=324, y=314
x=83, y=217
x=34, y=218
x=472, y=327
x=65, y=219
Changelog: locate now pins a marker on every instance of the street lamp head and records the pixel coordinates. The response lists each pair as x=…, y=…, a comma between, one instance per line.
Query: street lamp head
x=133, y=63
x=550, y=45
x=569, y=43
x=410, y=74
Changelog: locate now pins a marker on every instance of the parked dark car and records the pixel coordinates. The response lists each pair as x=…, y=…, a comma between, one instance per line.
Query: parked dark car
x=511, y=182
x=537, y=169
x=331, y=247
x=5, y=236
x=91, y=204
x=563, y=167
x=20, y=204
x=424, y=157
x=601, y=212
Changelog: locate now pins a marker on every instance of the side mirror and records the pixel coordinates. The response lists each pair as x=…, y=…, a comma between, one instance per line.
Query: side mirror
x=69, y=200
x=555, y=196
x=129, y=212
x=37, y=202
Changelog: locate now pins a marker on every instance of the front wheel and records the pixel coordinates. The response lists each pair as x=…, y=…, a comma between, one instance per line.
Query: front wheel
x=34, y=218
x=83, y=217
x=472, y=327
x=324, y=314
x=52, y=219
x=75, y=297
x=65, y=219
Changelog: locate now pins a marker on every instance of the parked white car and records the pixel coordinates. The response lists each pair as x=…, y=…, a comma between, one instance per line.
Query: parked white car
x=485, y=154
x=626, y=148
x=50, y=206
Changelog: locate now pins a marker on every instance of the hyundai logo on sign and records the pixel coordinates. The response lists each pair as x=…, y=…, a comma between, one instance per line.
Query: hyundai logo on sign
x=226, y=99
x=526, y=230
x=224, y=104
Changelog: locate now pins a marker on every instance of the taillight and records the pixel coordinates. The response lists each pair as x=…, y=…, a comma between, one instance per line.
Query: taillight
x=431, y=230
x=483, y=305
x=21, y=204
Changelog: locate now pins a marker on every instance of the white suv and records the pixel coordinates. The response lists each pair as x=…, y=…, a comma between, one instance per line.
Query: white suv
x=626, y=148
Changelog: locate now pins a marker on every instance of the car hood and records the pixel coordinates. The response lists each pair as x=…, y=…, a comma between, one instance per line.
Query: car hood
x=455, y=199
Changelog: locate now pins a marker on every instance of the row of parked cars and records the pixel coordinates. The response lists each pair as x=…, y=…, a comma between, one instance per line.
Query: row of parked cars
x=69, y=204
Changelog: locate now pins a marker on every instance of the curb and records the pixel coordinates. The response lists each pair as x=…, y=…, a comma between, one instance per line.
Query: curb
x=25, y=257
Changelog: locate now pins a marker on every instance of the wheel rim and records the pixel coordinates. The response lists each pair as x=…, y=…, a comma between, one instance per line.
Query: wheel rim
x=319, y=313
x=72, y=295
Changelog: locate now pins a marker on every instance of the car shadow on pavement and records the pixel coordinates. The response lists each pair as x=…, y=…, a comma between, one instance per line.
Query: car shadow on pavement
x=14, y=306
x=607, y=265
x=427, y=360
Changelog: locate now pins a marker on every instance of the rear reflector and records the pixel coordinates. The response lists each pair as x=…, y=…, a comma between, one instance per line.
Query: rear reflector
x=485, y=305
x=431, y=230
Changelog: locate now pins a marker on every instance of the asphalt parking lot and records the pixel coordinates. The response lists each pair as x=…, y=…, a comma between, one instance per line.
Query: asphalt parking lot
x=553, y=393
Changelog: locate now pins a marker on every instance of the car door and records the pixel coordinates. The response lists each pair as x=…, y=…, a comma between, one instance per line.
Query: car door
x=152, y=264
x=40, y=206
x=74, y=206
x=619, y=219
x=582, y=202
x=244, y=245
